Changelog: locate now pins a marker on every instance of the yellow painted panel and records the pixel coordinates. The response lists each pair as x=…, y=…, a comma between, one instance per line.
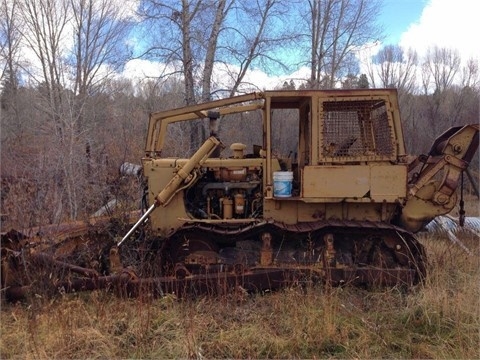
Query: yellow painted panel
x=388, y=182
x=377, y=182
x=336, y=181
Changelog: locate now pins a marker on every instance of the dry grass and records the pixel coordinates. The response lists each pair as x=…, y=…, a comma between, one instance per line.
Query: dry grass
x=439, y=319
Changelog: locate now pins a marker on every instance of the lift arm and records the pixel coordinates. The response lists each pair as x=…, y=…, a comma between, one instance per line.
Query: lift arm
x=183, y=175
x=428, y=197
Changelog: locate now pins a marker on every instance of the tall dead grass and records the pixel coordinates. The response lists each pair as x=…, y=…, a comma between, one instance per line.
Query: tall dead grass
x=438, y=319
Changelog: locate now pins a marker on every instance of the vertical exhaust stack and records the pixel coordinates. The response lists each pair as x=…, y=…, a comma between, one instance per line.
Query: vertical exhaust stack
x=213, y=116
x=213, y=124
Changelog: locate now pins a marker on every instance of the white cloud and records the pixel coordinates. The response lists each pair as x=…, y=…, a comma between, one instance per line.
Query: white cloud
x=446, y=23
x=223, y=77
x=139, y=69
x=443, y=23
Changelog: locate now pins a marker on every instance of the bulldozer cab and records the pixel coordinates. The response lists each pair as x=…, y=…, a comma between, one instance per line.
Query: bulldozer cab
x=340, y=128
x=292, y=130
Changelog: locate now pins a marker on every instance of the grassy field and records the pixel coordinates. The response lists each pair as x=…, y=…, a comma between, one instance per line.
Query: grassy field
x=439, y=319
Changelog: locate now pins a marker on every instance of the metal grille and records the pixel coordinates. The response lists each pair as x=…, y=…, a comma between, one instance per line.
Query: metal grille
x=352, y=129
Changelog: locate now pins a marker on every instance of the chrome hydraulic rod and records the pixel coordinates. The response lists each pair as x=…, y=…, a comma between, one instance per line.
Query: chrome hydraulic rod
x=138, y=223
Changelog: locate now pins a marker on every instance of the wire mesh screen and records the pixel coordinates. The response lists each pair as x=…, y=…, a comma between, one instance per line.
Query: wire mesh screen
x=352, y=129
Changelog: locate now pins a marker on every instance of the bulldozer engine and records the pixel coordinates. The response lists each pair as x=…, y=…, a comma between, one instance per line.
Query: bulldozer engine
x=320, y=188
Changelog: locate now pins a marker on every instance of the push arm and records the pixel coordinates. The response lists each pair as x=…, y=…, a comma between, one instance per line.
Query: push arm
x=432, y=191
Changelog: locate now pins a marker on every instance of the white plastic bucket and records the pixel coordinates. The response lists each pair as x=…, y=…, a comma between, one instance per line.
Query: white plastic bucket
x=282, y=183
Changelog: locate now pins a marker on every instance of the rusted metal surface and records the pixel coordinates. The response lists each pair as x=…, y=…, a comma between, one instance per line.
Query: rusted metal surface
x=128, y=285
x=45, y=259
x=302, y=227
x=71, y=229
x=69, y=277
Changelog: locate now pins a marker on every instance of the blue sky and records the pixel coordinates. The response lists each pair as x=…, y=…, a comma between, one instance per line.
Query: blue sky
x=397, y=15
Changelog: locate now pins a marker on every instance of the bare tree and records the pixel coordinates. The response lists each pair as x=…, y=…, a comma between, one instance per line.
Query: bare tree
x=74, y=45
x=177, y=23
x=198, y=34
x=99, y=42
x=462, y=101
x=221, y=11
x=45, y=23
x=99, y=29
x=470, y=74
x=9, y=71
x=439, y=69
x=9, y=41
x=394, y=67
x=337, y=29
x=185, y=41
x=259, y=37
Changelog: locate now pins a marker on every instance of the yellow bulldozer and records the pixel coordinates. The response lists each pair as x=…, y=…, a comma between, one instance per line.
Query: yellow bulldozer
x=313, y=184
